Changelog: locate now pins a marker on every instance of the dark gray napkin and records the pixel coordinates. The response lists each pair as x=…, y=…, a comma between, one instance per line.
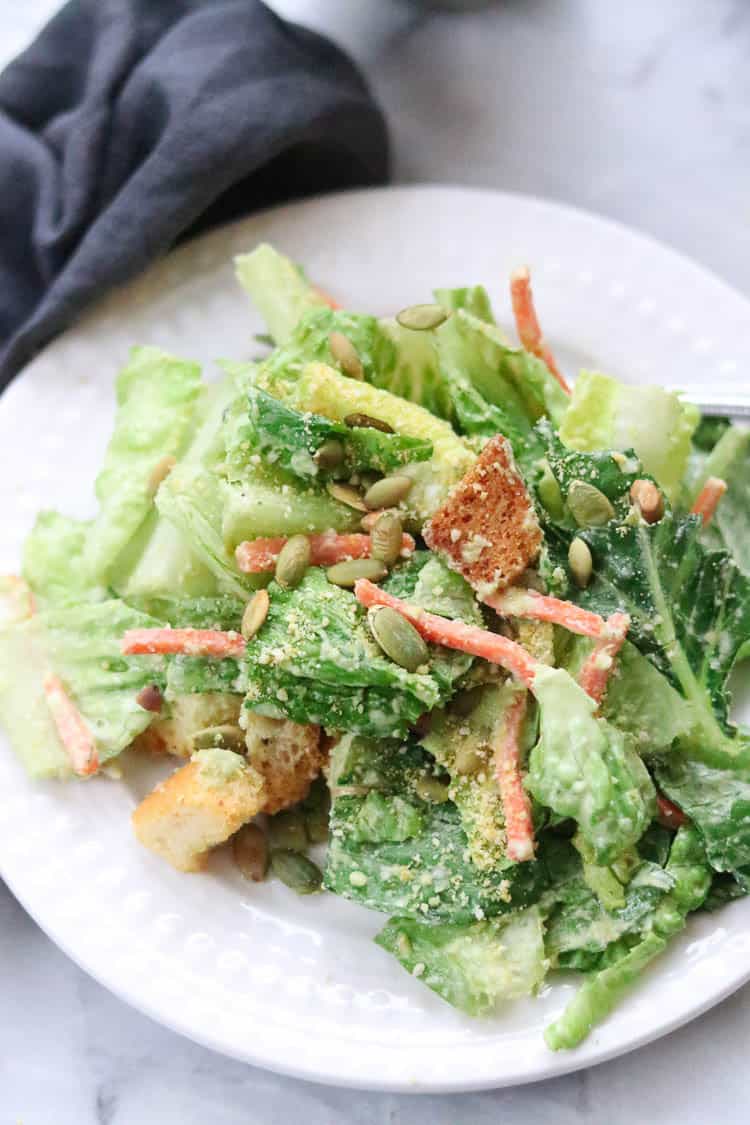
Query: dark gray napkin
x=129, y=124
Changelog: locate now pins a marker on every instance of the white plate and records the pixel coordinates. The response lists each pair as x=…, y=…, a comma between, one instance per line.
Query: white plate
x=289, y=983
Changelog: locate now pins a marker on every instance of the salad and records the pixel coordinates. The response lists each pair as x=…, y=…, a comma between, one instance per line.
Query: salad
x=395, y=586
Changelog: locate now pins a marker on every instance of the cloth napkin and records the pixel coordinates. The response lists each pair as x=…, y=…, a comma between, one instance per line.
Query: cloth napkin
x=131, y=124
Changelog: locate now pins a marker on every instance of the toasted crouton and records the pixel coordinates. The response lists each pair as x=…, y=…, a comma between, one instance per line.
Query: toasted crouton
x=188, y=715
x=202, y=804
x=287, y=755
x=487, y=529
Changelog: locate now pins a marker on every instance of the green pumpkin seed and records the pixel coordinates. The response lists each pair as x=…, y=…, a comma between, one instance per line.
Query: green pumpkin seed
x=293, y=561
x=468, y=760
x=250, y=850
x=397, y=637
x=316, y=808
x=347, y=573
x=329, y=455
x=345, y=494
x=297, y=872
x=430, y=789
x=345, y=355
x=421, y=317
x=388, y=492
x=367, y=422
x=386, y=538
x=549, y=490
x=224, y=737
x=287, y=830
x=588, y=506
x=256, y=612
x=580, y=562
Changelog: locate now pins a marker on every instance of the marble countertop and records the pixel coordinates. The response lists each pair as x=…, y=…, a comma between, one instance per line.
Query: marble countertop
x=638, y=111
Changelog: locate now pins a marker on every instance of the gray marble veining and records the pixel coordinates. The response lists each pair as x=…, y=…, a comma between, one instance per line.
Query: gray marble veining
x=640, y=111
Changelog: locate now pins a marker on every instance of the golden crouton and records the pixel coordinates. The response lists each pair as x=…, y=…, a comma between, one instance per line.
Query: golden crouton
x=287, y=755
x=189, y=714
x=202, y=804
x=487, y=529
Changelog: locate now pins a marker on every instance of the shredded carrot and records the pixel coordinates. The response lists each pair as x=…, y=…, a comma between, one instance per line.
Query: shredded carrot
x=455, y=634
x=542, y=607
x=185, y=642
x=669, y=814
x=519, y=826
x=527, y=323
x=326, y=298
x=258, y=555
x=708, y=499
x=75, y=735
x=599, y=663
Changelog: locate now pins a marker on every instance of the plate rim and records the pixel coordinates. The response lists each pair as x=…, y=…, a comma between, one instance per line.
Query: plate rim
x=556, y=1064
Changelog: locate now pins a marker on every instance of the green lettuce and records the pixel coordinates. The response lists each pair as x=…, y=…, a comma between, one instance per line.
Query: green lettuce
x=475, y=968
x=52, y=558
x=606, y=414
x=278, y=289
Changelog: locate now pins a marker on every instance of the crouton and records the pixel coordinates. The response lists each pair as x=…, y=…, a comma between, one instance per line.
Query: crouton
x=287, y=755
x=487, y=529
x=188, y=715
x=199, y=806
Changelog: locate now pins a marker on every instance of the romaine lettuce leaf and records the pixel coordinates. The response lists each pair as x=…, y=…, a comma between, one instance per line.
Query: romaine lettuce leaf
x=157, y=395
x=473, y=299
x=278, y=288
x=52, y=558
x=606, y=414
x=315, y=661
x=689, y=607
x=475, y=968
x=730, y=527
x=427, y=875
x=585, y=768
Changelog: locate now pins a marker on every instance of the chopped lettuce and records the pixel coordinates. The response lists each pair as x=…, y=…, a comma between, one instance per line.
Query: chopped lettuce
x=473, y=299
x=689, y=607
x=427, y=875
x=52, y=558
x=730, y=527
x=585, y=768
x=157, y=396
x=278, y=289
x=606, y=414
x=475, y=968
x=315, y=661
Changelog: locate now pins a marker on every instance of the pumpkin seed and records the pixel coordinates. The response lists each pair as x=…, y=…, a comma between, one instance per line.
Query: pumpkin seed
x=224, y=737
x=388, y=492
x=293, y=561
x=367, y=422
x=430, y=789
x=549, y=490
x=397, y=637
x=386, y=538
x=347, y=573
x=345, y=355
x=297, y=872
x=329, y=455
x=255, y=614
x=580, y=562
x=287, y=830
x=648, y=499
x=150, y=698
x=345, y=494
x=368, y=522
x=250, y=851
x=588, y=506
x=421, y=317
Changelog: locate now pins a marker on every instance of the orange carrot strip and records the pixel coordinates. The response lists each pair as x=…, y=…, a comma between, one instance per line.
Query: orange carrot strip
x=519, y=826
x=527, y=323
x=708, y=499
x=185, y=642
x=455, y=634
x=258, y=555
x=668, y=813
x=326, y=298
x=75, y=735
x=599, y=663
x=541, y=607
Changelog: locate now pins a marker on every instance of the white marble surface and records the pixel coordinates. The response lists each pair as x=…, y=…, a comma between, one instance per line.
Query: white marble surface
x=640, y=111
